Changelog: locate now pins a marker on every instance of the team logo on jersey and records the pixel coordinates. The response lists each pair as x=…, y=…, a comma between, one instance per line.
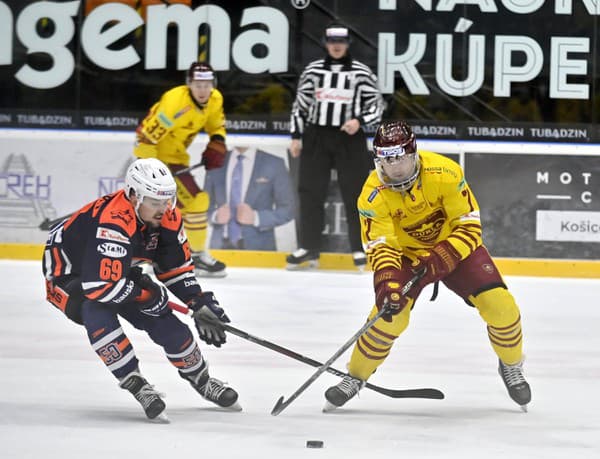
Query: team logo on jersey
x=111, y=235
x=112, y=250
x=429, y=229
x=122, y=214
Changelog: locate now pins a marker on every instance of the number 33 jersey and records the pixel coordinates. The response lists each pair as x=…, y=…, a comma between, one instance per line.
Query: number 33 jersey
x=174, y=121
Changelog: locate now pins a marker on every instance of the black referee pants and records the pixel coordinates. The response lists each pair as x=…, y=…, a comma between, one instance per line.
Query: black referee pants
x=324, y=149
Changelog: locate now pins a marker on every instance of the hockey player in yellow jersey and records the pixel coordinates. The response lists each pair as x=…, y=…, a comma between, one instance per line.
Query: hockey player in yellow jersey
x=418, y=215
x=168, y=130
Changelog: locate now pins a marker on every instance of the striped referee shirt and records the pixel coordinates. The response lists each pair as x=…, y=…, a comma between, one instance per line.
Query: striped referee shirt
x=331, y=92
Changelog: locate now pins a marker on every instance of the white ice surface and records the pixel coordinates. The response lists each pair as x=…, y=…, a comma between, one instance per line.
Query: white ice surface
x=58, y=401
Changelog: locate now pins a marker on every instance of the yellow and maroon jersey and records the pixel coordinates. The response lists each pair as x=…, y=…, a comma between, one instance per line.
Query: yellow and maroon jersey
x=100, y=243
x=174, y=121
x=440, y=206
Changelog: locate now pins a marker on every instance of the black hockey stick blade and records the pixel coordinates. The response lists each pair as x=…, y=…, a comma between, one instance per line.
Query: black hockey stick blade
x=47, y=224
x=428, y=392
x=279, y=406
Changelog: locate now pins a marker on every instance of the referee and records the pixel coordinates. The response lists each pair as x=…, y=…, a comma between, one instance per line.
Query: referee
x=336, y=97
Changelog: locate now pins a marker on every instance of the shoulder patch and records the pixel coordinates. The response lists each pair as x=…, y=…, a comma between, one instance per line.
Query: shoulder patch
x=372, y=195
x=462, y=184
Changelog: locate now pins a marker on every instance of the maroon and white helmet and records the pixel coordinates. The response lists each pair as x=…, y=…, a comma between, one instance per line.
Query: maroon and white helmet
x=201, y=71
x=395, y=155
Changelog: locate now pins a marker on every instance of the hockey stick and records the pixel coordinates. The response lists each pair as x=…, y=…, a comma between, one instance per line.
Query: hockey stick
x=188, y=169
x=282, y=403
x=47, y=224
x=393, y=393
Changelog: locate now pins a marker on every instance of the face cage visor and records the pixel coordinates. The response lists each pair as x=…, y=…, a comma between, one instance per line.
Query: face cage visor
x=396, y=168
x=159, y=200
x=159, y=204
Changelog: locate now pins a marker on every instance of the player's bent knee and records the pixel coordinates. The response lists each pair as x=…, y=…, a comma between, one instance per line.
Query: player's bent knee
x=497, y=306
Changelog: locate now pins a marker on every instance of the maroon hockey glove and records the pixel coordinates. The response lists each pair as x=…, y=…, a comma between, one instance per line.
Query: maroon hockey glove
x=388, y=283
x=214, y=154
x=153, y=299
x=441, y=261
x=209, y=317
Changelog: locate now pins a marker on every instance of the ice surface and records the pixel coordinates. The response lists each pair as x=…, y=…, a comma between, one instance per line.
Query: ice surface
x=58, y=401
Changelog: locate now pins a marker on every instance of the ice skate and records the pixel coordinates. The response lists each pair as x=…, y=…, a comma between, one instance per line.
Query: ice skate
x=360, y=260
x=517, y=386
x=339, y=394
x=214, y=391
x=149, y=398
x=302, y=259
x=207, y=266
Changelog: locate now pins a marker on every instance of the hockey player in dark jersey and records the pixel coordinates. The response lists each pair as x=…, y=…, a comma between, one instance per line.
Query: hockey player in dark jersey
x=91, y=264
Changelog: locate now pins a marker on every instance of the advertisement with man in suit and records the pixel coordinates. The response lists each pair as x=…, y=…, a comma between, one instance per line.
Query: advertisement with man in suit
x=250, y=196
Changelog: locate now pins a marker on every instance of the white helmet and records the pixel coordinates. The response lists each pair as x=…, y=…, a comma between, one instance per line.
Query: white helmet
x=150, y=178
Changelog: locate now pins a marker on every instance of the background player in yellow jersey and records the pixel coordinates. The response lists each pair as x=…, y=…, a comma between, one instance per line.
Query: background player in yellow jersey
x=417, y=214
x=168, y=130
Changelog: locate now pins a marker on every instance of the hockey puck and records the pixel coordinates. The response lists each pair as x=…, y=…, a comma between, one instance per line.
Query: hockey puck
x=314, y=444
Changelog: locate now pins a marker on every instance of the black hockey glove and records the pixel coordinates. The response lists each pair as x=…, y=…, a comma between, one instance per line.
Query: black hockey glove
x=154, y=298
x=209, y=317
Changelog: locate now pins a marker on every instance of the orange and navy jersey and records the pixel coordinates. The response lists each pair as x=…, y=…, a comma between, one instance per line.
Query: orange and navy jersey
x=174, y=121
x=439, y=207
x=100, y=243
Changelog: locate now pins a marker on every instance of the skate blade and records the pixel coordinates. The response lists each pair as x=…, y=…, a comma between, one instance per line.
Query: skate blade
x=524, y=408
x=329, y=407
x=235, y=407
x=206, y=274
x=162, y=418
x=304, y=266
